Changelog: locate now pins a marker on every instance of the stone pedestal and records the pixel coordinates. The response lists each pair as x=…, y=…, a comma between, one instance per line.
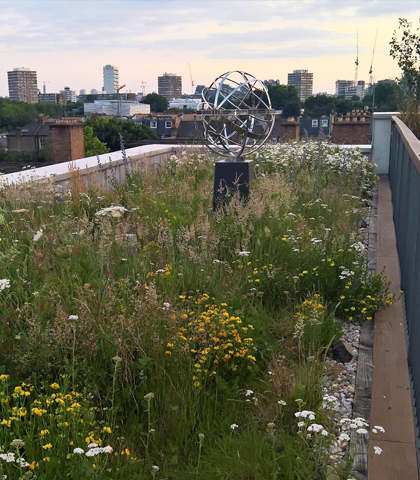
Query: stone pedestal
x=231, y=177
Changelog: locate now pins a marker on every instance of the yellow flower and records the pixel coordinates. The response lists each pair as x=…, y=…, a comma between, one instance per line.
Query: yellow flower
x=107, y=429
x=47, y=446
x=3, y=378
x=55, y=386
x=37, y=411
x=44, y=432
x=46, y=459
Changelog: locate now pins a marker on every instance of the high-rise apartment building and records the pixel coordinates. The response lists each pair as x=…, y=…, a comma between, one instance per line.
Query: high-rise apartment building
x=347, y=89
x=23, y=85
x=341, y=86
x=70, y=94
x=303, y=81
x=111, y=79
x=170, y=86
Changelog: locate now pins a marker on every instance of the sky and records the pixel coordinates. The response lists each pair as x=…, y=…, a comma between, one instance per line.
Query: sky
x=69, y=41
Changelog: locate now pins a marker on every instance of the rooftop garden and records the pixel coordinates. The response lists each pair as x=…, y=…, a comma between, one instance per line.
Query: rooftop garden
x=143, y=336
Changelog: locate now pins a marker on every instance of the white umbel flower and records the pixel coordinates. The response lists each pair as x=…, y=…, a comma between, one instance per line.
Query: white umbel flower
x=4, y=283
x=37, y=235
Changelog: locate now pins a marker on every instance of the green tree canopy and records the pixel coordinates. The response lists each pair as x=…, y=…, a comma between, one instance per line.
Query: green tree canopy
x=108, y=131
x=158, y=103
x=93, y=146
x=406, y=50
x=285, y=97
x=319, y=105
x=18, y=114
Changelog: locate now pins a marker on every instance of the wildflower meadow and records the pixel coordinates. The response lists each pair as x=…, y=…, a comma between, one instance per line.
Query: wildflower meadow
x=144, y=336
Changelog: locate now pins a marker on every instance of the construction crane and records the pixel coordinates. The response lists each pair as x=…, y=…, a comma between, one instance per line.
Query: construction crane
x=192, y=81
x=143, y=86
x=371, y=81
x=357, y=59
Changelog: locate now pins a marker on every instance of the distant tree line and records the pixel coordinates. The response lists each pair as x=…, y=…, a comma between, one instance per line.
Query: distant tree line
x=18, y=114
x=285, y=97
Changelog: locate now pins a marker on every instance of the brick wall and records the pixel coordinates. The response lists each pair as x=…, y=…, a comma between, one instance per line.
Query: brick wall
x=289, y=131
x=67, y=142
x=351, y=133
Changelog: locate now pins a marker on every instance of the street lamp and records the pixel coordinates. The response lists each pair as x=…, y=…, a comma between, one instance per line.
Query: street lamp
x=119, y=100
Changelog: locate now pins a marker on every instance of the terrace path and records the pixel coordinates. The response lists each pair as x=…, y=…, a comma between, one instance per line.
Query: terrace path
x=391, y=405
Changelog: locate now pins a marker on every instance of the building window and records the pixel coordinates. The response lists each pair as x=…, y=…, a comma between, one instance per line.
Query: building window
x=324, y=123
x=42, y=143
x=314, y=123
x=168, y=124
x=153, y=124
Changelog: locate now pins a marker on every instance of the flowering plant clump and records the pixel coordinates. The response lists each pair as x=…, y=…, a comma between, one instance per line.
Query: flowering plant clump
x=328, y=162
x=115, y=212
x=312, y=327
x=219, y=343
x=55, y=426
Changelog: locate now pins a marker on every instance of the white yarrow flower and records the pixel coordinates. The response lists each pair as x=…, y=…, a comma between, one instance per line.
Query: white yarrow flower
x=4, y=283
x=377, y=450
x=282, y=403
x=78, y=450
x=37, y=235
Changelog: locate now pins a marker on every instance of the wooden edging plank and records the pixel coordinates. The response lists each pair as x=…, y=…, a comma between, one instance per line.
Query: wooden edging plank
x=391, y=405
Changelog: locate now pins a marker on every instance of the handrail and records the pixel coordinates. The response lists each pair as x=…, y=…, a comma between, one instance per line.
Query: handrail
x=411, y=142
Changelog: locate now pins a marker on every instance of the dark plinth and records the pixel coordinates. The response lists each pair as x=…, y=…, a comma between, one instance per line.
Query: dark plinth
x=230, y=178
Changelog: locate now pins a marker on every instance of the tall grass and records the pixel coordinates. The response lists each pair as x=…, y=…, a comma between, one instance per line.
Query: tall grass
x=167, y=315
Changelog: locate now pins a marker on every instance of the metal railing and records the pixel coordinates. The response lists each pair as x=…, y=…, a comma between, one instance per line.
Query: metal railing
x=404, y=176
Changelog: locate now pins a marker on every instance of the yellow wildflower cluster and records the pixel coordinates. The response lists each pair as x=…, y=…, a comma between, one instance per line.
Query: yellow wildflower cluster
x=49, y=421
x=312, y=310
x=219, y=342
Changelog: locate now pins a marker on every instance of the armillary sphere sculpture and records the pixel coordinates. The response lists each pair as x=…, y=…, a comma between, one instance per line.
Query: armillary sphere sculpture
x=237, y=119
x=236, y=115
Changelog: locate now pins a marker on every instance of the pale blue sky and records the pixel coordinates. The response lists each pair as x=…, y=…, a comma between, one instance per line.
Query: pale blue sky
x=69, y=41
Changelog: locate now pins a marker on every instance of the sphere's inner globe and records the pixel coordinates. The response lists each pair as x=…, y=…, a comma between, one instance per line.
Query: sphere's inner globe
x=236, y=114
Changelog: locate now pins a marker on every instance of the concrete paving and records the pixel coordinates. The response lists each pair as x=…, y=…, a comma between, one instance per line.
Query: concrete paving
x=391, y=405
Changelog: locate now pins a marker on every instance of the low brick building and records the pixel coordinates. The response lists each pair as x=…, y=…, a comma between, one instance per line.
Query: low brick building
x=351, y=129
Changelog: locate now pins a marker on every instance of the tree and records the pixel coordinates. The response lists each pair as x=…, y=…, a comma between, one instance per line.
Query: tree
x=291, y=109
x=15, y=114
x=407, y=53
x=158, y=103
x=108, y=131
x=75, y=108
x=319, y=105
x=49, y=109
x=387, y=97
x=284, y=96
x=93, y=146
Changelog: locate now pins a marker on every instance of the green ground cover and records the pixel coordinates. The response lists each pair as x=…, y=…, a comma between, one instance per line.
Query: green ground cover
x=143, y=336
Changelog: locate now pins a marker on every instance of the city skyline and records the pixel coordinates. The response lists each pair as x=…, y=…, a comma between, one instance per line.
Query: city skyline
x=68, y=42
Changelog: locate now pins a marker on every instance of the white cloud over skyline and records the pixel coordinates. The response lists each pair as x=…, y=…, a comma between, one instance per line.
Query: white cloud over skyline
x=68, y=42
